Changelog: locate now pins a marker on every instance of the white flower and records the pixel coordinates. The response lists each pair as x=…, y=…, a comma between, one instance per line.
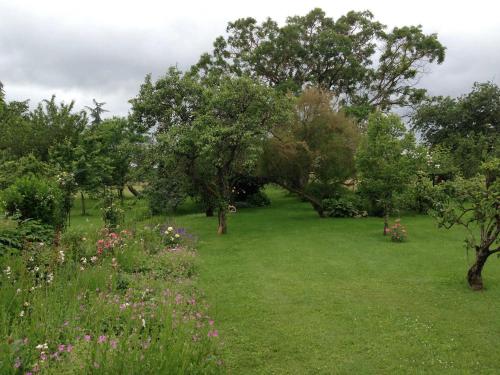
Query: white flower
x=93, y=259
x=21, y=314
x=61, y=256
x=7, y=271
x=170, y=229
x=143, y=323
x=84, y=260
x=177, y=235
x=50, y=277
x=18, y=291
x=43, y=346
x=26, y=303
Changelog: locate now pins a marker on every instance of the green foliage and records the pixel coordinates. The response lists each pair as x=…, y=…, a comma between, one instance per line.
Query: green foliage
x=35, y=198
x=386, y=159
x=335, y=55
x=27, y=235
x=468, y=126
x=475, y=205
x=11, y=170
x=345, y=205
x=212, y=135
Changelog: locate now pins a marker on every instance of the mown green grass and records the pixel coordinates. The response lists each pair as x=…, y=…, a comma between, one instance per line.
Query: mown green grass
x=295, y=294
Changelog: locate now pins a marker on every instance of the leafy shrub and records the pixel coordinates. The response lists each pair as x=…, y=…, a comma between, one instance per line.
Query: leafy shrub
x=348, y=205
x=23, y=235
x=398, y=232
x=165, y=194
x=258, y=199
x=34, y=198
x=419, y=196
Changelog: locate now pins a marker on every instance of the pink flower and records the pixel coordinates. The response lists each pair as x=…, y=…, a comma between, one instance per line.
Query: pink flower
x=69, y=348
x=17, y=363
x=113, y=343
x=87, y=338
x=61, y=347
x=101, y=339
x=213, y=333
x=211, y=322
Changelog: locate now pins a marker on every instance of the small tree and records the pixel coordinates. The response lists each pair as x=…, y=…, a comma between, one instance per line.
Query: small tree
x=385, y=161
x=474, y=204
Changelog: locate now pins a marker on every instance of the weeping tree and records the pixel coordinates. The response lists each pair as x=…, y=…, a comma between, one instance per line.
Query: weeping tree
x=475, y=205
x=312, y=156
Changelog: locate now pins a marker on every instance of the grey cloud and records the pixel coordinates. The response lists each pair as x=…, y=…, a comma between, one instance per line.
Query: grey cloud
x=40, y=55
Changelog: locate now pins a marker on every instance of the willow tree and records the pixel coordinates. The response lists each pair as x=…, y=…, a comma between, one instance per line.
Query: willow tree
x=312, y=155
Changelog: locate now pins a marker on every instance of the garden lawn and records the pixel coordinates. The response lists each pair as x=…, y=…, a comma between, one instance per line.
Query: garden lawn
x=296, y=294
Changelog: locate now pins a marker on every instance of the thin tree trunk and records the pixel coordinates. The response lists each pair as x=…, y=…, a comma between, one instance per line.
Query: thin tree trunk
x=222, y=229
x=120, y=195
x=386, y=224
x=209, y=211
x=474, y=277
x=133, y=190
x=83, y=203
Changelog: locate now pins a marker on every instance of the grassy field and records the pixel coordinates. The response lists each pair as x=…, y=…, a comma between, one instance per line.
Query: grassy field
x=295, y=294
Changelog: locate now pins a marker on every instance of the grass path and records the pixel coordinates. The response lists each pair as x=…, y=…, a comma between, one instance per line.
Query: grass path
x=295, y=294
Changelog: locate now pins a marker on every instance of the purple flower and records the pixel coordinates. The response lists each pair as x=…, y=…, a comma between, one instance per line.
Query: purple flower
x=61, y=347
x=101, y=339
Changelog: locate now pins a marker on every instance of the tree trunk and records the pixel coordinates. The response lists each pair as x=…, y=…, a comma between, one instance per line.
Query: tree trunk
x=133, y=190
x=209, y=211
x=318, y=208
x=474, y=275
x=222, y=229
x=120, y=195
x=386, y=224
x=83, y=203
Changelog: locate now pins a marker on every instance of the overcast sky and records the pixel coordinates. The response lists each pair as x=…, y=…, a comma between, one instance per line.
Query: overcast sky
x=81, y=50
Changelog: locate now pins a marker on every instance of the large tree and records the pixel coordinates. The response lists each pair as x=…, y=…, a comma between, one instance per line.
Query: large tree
x=362, y=63
x=312, y=155
x=386, y=159
x=223, y=137
x=469, y=126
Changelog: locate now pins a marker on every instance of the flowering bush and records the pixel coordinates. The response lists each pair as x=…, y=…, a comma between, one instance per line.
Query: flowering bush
x=112, y=213
x=111, y=241
x=397, y=232
x=145, y=317
x=172, y=237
